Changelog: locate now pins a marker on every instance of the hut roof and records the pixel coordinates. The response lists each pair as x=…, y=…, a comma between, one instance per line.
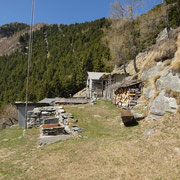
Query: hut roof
x=49, y=100
x=72, y=101
x=126, y=84
x=105, y=76
x=116, y=71
x=95, y=75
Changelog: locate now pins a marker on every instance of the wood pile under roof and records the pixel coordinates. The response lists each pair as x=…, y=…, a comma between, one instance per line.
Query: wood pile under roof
x=127, y=93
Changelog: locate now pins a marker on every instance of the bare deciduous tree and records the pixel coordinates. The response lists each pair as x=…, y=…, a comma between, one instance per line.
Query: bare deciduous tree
x=125, y=14
x=8, y=117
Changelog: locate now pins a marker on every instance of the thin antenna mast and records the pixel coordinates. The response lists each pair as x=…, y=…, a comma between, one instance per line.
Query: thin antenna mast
x=29, y=63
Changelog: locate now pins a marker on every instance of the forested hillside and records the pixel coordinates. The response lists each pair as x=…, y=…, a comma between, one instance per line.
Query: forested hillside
x=62, y=55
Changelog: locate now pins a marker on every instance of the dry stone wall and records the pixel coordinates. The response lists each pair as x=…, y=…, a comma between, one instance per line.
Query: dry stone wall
x=53, y=120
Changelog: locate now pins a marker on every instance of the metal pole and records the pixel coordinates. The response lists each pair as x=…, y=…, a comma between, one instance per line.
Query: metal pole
x=29, y=62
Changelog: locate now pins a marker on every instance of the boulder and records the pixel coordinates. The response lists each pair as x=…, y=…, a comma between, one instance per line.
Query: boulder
x=149, y=92
x=96, y=116
x=77, y=130
x=68, y=130
x=170, y=81
x=155, y=70
x=67, y=115
x=148, y=131
x=162, y=105
x=162, y=35
x=138, y=116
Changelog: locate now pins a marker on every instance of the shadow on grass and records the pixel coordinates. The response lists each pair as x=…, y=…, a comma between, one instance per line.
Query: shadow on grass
x=131, y=124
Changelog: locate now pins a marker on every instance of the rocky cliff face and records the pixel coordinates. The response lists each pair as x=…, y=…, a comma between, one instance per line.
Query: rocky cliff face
x=9, y=36
x=8, y=30
x=160, y=71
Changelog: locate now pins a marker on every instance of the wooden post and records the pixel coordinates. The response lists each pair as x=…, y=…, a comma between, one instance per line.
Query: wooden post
x=124, y=67
x=135, y=67
x=110, y=93
x=102, y=86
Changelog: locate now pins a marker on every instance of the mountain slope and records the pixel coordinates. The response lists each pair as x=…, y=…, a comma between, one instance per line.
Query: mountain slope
x=9, y=36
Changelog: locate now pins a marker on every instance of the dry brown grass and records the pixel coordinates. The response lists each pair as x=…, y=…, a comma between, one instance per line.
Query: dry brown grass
x=174, y=94
x=167, y=62
x=162, y=51
x=155, y=94
x=154, y=79
x=178, y=110
x=148, y=62
x=176, y=66
x=165, y=50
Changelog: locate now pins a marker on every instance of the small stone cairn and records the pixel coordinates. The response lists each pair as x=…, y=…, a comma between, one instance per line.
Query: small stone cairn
x=53, y=120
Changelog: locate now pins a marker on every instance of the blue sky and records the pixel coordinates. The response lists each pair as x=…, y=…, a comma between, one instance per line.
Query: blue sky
x=59, y=11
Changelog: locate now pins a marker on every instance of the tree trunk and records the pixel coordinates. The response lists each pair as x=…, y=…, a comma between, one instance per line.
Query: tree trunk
x=12, y=123
x=167, y=17
x=135, y=46
x=125, y=72
x=135, y=67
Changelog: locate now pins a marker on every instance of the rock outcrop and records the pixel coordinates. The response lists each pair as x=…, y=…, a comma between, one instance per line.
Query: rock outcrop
x=162, y=105
x=155, y=70
x=9, y=39
x=170, y=81
x=160, y=72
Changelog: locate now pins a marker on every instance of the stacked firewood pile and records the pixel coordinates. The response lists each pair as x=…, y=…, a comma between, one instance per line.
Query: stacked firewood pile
x=126, y=95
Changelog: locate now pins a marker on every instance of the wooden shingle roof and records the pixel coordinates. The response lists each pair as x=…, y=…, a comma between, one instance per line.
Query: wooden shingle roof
x=125, y=84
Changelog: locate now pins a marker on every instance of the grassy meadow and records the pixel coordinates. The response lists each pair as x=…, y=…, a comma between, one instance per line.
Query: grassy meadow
x=105, y=150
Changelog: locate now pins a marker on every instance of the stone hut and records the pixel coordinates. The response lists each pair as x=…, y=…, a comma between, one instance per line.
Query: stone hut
x=109, y=79
x=94, y=84
x=21, y=108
